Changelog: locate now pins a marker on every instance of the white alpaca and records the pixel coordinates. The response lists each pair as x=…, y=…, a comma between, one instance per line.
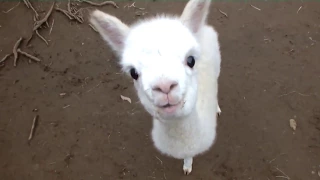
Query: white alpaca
x=175, y=66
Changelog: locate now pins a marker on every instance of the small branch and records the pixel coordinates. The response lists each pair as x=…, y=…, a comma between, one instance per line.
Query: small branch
x=133, y=5
x=76, y=14
x=70, y=15
x=29, y=55
x=225, y=14
x=94, y=87
x=78, y=18
x=93, y=28
x=15, y=53
x=35, y=12
x=51, y=27
x=66, y=106
x=159, y=160
x=79, y=10
x=65, y=13
x=5, y=58
x=101, y=4
x=312, y=40
x=295, y=92
x=26, y=3
x=38, y=23
x=45, y=19
x=140, y=13
x=255, y=7
x=285, y=176
x=276, y=157
x=299, y=9
x=29, y=39
x=41, y=37
x=11, y=8
x=34, y=124
x=69, y=7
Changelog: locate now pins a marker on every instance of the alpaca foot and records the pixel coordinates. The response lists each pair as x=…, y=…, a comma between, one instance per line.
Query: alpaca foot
x=187, y=166
x=218, y=110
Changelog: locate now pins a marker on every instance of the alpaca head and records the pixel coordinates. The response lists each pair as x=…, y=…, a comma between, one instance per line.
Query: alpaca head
x=160, y=55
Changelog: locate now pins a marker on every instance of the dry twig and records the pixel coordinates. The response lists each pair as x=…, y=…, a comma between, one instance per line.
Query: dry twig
x=295, y=92
x=225, y=14
x=51, y=27
x=29, y=55
x=26, y=3
x=101, y=4
x=41, y=37
x=159, y=160
x=5, y=58
x=40, y=22
x=34, y=124
x=65, y=12
x=71, y=13
x=276, y=158
x=124, y=98
x=29, y=5
x=45, y=19
x=285, y=176
x=79, y=17
x=34, y=10
x=133, y=5
x=255, y=7
x=140, y=13
x=299, y=9
x=94, y=87
x=93, y=27
x=66, y=106
x=47, y=24
x=11, y=8
x=69, y=6
x=312, y=40
x=15, y=53
x=74, y=13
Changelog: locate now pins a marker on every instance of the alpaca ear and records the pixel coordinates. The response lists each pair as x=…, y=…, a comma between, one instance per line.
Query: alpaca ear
x=112, y=30
x=195, y=14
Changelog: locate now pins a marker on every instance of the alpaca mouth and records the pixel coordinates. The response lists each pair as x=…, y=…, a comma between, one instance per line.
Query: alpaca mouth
x=170, y=108
x=167, y=105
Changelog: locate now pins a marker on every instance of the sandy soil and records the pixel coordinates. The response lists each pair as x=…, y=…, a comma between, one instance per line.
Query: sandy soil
x=270, y=74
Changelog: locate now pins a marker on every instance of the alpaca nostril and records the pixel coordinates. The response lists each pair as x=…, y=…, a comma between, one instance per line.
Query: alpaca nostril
x=157, y=89
x=173, y=86
x=165, y=87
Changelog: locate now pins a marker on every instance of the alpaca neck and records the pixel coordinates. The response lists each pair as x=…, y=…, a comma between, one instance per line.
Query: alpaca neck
x=182, y=125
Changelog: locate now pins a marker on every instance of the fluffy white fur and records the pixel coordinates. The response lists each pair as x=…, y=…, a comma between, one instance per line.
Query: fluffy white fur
x=158, y=49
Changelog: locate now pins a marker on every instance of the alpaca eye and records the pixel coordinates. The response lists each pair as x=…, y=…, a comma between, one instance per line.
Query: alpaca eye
x=134, y=73
x=190, y=61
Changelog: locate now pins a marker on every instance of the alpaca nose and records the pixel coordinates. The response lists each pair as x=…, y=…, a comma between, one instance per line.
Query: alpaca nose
x=165, y=86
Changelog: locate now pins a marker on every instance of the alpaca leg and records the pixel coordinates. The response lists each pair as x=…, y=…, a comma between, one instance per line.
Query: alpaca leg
x=187, y=166
x=218, y=110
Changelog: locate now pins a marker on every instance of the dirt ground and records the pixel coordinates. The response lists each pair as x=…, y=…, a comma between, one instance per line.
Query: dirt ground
x=270, y=74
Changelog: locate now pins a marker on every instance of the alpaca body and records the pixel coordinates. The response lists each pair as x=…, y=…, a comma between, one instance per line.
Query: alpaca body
x=175, y=65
